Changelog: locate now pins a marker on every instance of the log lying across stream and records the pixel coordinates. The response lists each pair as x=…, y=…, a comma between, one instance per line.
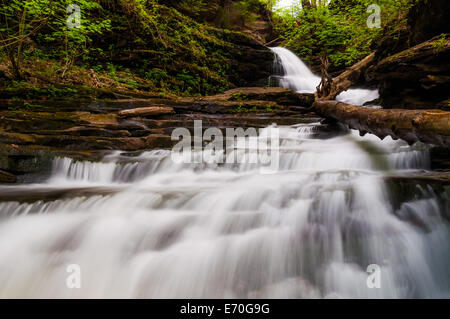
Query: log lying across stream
x=345, y=80
x=428, y=126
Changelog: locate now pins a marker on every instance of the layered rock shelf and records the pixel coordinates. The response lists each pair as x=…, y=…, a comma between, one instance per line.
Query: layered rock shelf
x=29, y=139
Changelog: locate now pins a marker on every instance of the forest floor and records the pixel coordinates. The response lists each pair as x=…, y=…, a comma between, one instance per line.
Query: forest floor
x=48, y=79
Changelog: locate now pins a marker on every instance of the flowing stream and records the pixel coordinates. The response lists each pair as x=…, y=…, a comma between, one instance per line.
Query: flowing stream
x=144, y=227
x=292, y=73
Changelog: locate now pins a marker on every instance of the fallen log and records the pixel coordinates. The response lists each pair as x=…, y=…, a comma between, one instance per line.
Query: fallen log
x=428, y=126
x=146, y=111
x=345, y=80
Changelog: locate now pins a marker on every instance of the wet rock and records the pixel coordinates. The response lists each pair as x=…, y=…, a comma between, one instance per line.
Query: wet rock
x=411, y=187
x=330, y=130
x=247, y=99
x=250, y=61
x=416, y=78
x=6, y=177
x=128, y=125
x=440, y=158
x=274, y=94
x=84, y=131
x=373, y=102
x=17, y=138
x=392, y=42
x=152, y=111
x=16, y=194
x=31, y=139
x=218, y=106
x=253, y=67
x=23, y=161
x=100, y=120
x=427, y=19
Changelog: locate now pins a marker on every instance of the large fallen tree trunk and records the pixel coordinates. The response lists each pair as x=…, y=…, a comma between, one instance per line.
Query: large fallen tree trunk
x=344, y=81
x=428, y=126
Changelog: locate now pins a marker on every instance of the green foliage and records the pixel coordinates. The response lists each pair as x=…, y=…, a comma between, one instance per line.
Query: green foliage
x=190, y=56
x=243, y=109
x=164, y=42
x=239, y=96
x=338, y=30
x=439, y=44
x=74, y=42
x=46, y=22
x=27, y=90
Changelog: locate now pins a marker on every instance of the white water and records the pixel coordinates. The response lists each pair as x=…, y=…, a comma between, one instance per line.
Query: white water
x=293, y=74
x=177, y=231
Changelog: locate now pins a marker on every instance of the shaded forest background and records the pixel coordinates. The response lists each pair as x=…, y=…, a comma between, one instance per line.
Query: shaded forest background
x=188, y=47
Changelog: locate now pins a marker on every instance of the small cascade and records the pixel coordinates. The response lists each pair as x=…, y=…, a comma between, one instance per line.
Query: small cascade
x=292, y=73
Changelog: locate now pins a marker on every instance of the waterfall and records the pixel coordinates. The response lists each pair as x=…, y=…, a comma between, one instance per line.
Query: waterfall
x=292, y=73
x=142, y=226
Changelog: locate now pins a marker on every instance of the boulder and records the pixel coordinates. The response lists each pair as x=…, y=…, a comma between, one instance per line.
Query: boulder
x=416, y=78
x=427, y=19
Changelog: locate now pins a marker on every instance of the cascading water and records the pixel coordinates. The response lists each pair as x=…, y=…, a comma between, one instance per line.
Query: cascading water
x=145, y=227
x=291, y=73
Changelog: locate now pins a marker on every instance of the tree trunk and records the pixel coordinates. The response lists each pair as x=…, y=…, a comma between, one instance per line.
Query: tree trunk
x=324, y=87
x=428, y=126
x=15, y=66
x=345, y=80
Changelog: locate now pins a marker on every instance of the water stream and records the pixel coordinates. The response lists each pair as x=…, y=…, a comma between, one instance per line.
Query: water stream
x=291, y=73
x=150, y=228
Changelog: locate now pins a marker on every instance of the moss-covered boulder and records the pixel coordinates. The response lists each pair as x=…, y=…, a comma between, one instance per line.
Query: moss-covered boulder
x=416, y=78
x=427, y=19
